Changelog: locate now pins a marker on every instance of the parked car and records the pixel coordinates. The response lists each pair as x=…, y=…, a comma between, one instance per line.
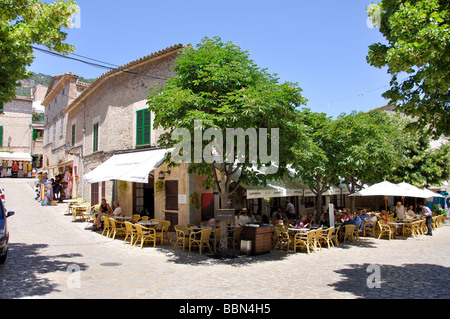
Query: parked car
x=4, y=234
x=2, y=195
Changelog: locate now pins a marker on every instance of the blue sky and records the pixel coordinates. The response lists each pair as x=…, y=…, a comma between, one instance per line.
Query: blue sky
x=322, y=45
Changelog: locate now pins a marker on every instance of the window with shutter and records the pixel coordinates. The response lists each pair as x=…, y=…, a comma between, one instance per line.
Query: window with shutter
x=171, y=195
x=143, y=127
x=73, y=135
x=95, y=138
x=1, y=135
x=94, y=194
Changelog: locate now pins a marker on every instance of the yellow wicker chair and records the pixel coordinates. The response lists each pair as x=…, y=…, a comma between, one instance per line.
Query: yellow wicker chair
x=369, y=226
x=106, y=226
x=162, y=233
x=117, y=228
x=182, y=233
x=144, y=235
x=349, y=233
x=407, y=229
x=282, y=238
x=135, y=218
x=423, y=227
x=144, y=218
x=201, y=240
x=218, y=235
x=305, y=240
x=317, y=238
x=384, y=230
x=237, y=237
x=130, y=232
x=335, y=235
x=326, y=237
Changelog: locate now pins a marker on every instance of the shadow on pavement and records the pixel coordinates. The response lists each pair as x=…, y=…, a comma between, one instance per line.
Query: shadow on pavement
x=21, y=275
x=409, y=281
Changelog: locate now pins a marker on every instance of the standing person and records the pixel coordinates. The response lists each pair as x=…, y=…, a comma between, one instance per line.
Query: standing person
x=290, y=210
x=400, y=211
x=428, y=217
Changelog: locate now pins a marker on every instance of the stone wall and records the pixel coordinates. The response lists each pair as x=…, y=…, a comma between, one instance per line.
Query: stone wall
x=16, y=120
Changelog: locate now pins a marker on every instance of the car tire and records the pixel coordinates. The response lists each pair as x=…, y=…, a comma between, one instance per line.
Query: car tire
x=3, y=258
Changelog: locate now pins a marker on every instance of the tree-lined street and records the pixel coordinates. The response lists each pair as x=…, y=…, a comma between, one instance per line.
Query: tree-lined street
x=52, y=257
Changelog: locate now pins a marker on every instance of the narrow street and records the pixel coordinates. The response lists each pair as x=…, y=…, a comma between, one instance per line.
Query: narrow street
x=52, y=257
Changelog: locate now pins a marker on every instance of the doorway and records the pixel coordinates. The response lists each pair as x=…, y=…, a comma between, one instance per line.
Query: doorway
x=145, y=199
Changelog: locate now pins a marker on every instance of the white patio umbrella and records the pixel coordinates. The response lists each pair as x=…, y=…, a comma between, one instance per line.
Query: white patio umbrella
x=383, y=189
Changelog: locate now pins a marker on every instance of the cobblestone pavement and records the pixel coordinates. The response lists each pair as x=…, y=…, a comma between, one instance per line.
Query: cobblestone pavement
x=52, y=257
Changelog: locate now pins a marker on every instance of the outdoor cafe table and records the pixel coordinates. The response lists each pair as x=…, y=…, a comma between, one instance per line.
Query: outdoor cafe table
x=198, y=228
x=122, y=218
x=398, y=226
x=148, y=223
x=302, y=230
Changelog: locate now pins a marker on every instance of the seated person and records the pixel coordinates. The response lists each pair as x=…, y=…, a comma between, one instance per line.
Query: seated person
x=410, y=214
x=243, y=219
x=211, y=223
x=346, y=216
x=258, y=216
x=105, y=210
x=251, y=217
x=364, y=217
x=384, y=216
x=117, y=210
x=357, y=219
x=302, y=222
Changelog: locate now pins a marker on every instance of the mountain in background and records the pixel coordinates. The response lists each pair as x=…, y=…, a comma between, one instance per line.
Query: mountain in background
x=39, y=78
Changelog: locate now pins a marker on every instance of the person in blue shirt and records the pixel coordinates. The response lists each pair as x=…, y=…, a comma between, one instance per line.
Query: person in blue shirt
x=363, y=217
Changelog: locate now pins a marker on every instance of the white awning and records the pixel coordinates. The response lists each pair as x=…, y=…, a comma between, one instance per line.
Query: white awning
x=131, y=167
x=275, y=189
x=6, y=156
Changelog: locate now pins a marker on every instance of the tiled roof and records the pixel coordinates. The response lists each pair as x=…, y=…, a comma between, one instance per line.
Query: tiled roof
x=122, y=68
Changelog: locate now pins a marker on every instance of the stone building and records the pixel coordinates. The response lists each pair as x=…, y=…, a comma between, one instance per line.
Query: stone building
x=21, y=128
x=62, y=91
x=111, y=118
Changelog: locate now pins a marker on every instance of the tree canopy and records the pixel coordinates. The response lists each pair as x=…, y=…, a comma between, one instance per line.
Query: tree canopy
x=22, y=24
x=417, y=55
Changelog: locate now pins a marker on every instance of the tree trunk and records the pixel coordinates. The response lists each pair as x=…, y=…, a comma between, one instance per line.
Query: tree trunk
x=223, y=244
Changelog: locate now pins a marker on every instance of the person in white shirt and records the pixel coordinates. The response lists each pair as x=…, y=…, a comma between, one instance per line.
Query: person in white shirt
x=117, y=210
x=400, y=210
x=410, y=214
x=243, y=219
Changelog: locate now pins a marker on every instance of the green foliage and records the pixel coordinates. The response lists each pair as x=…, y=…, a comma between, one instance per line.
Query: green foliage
x=22, y=24
x=418, y=36
x=219, y=84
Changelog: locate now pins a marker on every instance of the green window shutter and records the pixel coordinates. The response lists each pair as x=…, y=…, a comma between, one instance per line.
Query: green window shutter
x=143, y=127
x=95, y=138
x=1, y=136
x=73, y=135
x=1, y=107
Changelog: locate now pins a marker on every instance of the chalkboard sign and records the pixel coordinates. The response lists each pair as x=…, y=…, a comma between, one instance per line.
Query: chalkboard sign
x=224, y=215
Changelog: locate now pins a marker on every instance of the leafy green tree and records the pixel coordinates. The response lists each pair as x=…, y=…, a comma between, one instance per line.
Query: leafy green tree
x=218, y=84
x=416, y=162
x=364, y=148
x=22, y=24
x=418, y=47
x=316, y=164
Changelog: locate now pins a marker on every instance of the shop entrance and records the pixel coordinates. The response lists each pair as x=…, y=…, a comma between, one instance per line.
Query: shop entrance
x=145, y=199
